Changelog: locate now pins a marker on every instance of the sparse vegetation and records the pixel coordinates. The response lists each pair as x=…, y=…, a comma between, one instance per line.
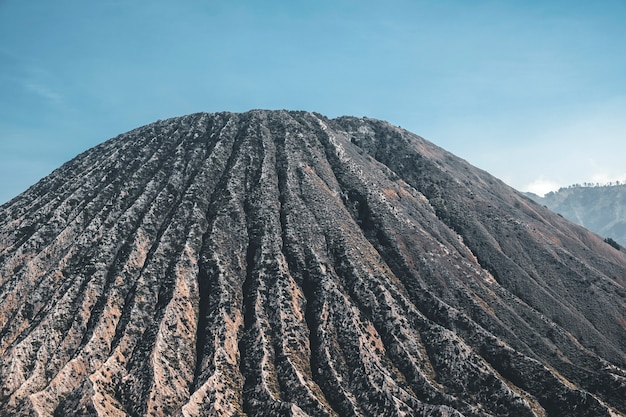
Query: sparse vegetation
x=613, y=243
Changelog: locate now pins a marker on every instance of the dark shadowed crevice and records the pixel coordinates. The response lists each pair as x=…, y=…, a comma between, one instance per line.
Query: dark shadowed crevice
x=202, y=332
x=120, y=329
x=248, y=320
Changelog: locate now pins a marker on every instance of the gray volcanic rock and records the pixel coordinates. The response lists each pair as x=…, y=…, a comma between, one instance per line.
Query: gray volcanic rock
x=280, y=263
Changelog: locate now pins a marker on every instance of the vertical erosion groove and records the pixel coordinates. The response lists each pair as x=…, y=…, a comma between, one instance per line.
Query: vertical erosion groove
x=296, y=342
x=261, y=389
x=203, y=333
x=216, y=385
x=247, y=340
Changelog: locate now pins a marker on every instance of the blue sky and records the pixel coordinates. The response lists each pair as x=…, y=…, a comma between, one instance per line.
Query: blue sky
x=532, y=91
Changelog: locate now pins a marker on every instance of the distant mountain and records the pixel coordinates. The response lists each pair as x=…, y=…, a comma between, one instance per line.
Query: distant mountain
x=276, y=263
x=601, y=209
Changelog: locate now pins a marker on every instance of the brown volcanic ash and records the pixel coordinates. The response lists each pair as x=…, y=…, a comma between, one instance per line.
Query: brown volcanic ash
x=281, y=263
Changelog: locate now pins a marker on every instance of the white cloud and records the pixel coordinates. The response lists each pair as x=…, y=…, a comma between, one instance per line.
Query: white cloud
x=541, y=186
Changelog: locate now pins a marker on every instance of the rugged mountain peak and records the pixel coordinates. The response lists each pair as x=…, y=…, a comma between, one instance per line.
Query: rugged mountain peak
x=282, y=263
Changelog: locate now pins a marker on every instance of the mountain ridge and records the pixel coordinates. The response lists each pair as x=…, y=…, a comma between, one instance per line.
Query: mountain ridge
x=598, y=208
x=283, y=263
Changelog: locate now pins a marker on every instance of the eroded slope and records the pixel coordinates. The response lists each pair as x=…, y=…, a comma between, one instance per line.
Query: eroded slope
x=280, y=263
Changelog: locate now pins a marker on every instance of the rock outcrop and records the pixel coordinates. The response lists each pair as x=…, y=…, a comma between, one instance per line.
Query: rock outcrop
x=280, y=263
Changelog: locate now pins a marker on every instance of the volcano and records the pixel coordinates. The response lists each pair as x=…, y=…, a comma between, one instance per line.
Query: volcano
x=280, y=263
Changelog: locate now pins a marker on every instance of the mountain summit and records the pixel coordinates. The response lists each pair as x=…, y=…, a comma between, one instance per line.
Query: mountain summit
x=276, y=263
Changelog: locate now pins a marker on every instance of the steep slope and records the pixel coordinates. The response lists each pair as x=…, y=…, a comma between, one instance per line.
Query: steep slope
x=281, y=263
x=601, y=209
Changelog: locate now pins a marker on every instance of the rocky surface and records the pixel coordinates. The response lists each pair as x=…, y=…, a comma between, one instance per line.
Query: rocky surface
x=278, y=263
